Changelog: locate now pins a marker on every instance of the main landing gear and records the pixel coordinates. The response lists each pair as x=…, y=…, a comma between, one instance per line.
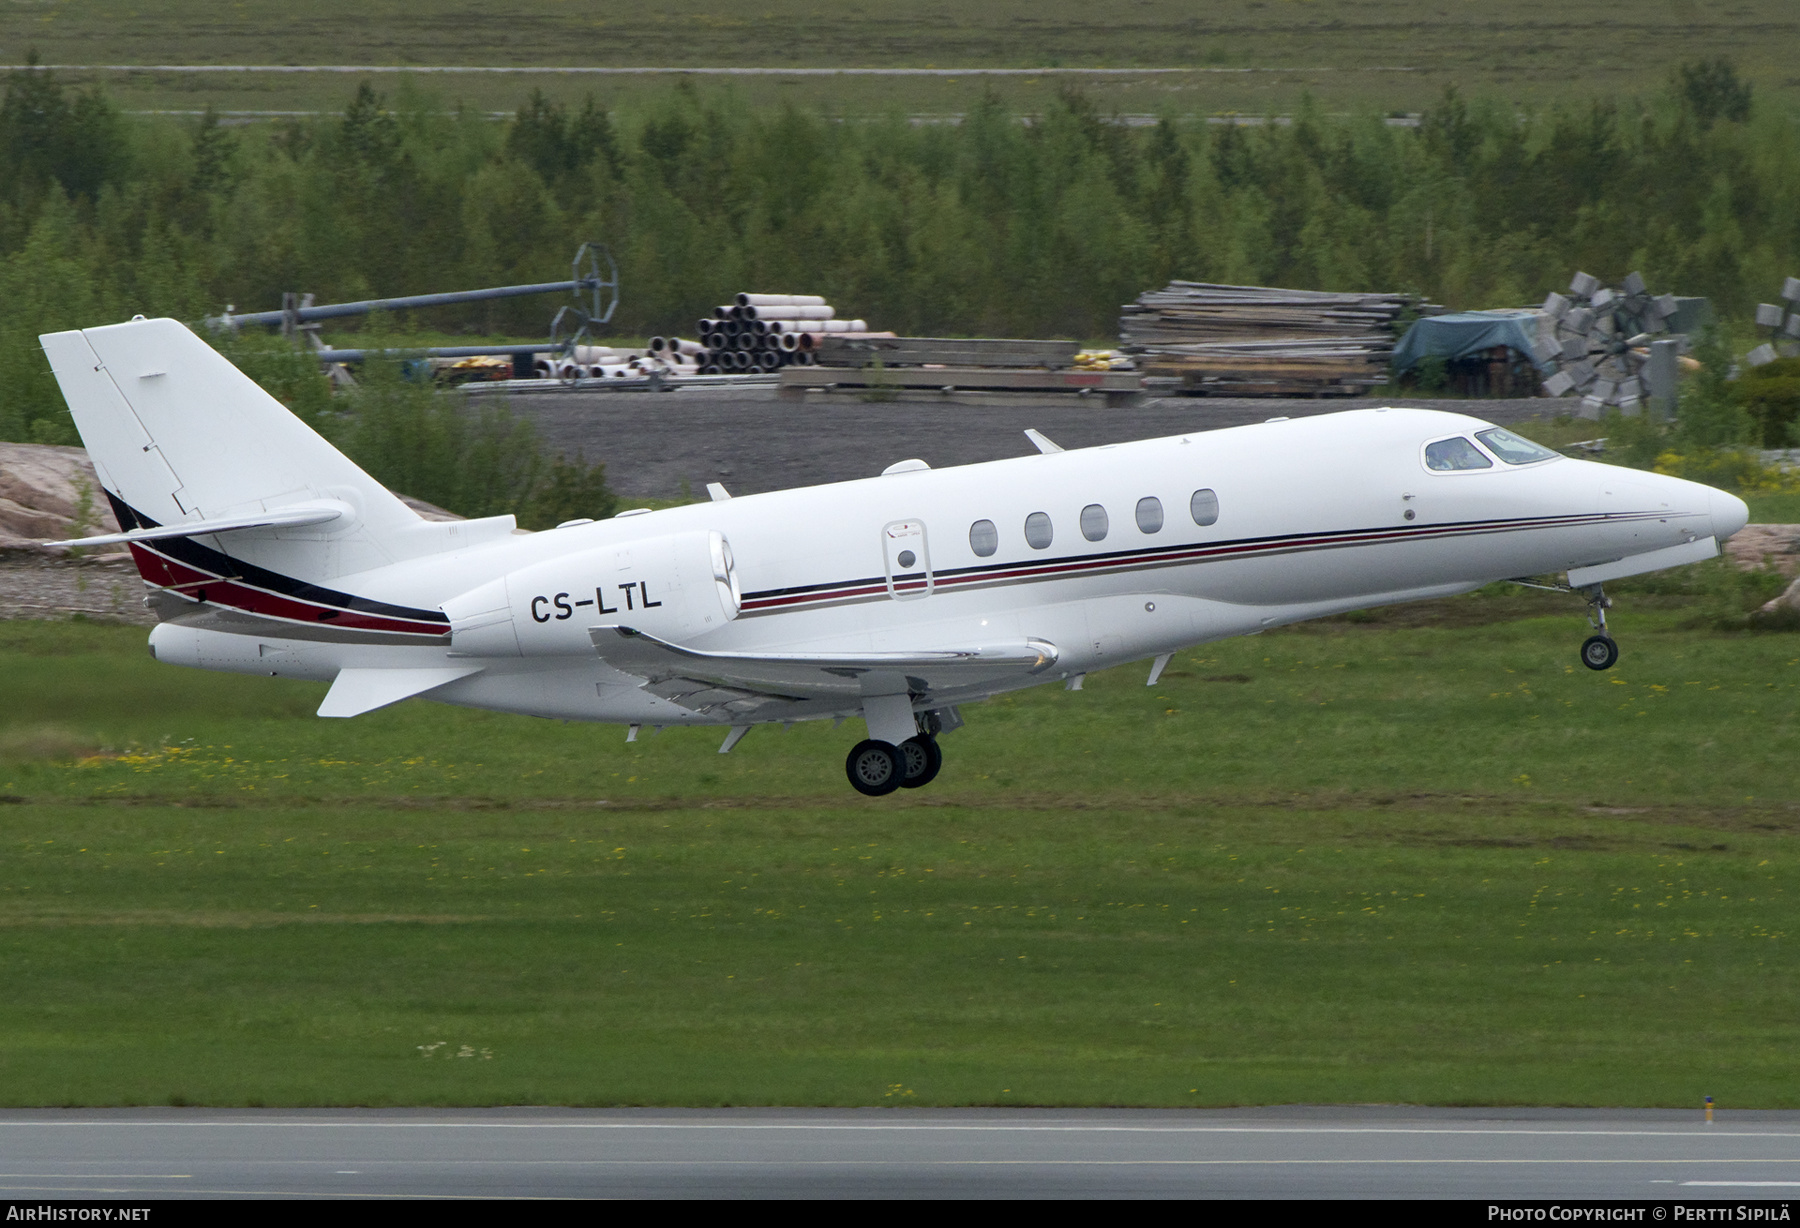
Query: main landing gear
x=878, y=768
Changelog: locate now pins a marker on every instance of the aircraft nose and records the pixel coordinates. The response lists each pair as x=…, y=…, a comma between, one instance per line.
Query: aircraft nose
x=1729, y=514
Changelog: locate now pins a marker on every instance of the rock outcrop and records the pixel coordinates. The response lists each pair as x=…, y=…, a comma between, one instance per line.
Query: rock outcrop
x=1774, y=546
x=1785, y=608
x=48, y=493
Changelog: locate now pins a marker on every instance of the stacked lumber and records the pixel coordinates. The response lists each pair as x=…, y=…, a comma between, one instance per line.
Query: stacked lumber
x=1265, y=341
x=881, y=366
x=887, y=350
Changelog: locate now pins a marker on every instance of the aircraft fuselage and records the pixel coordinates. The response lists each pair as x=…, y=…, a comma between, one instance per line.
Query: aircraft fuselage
x=1098, y=552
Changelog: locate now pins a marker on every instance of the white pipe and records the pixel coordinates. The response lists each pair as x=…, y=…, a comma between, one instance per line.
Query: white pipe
x=780, y=300
x=589, y=355
x=789, y=315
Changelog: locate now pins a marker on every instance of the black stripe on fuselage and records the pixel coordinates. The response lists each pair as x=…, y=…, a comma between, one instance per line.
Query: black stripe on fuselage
x=187, y=550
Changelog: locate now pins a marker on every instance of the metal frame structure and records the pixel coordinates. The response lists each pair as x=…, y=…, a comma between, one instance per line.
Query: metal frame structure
x=593, y=282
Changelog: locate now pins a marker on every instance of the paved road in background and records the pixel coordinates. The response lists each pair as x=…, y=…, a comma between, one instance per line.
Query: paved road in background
x=753, y=442
x=1293, y=1152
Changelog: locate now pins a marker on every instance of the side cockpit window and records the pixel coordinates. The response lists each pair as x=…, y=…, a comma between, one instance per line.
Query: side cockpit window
x=1451, y=455
x=1514, y=449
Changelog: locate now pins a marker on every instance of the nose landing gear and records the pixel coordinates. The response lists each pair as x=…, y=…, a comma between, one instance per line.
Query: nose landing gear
x=1598, y=651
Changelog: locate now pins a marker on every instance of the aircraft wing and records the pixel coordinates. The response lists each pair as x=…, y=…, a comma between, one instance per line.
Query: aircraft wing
x=801, y=676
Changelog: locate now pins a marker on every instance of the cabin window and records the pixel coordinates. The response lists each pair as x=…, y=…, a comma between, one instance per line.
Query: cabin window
x=1149, y=515
x=1450, y=455
x=1037, y=531
x=1093, y=523
x=984, y=538
x=1514, y=449
x=1204, y=507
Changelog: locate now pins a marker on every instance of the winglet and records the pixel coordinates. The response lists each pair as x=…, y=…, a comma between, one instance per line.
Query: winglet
x=1039, y=442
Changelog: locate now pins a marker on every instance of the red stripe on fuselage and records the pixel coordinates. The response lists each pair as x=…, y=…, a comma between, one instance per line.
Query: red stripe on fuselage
x=214, y=589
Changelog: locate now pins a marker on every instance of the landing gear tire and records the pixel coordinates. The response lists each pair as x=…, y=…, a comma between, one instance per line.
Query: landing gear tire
x=875, y=768
x=1599, y=652
x=920, y=760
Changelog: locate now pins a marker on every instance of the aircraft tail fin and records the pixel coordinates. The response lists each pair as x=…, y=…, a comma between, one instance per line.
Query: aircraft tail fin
x=179, y=435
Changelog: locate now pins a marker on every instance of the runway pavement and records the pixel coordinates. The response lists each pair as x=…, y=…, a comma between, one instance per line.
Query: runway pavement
x=753, y=442
x=1291, y=1152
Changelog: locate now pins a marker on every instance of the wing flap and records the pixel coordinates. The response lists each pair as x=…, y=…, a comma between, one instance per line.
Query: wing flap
x=801, y=676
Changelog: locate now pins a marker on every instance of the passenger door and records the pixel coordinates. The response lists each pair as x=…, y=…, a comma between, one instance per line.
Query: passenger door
x=907, y=558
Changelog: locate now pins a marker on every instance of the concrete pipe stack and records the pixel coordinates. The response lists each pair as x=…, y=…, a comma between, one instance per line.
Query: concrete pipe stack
x=766, y=332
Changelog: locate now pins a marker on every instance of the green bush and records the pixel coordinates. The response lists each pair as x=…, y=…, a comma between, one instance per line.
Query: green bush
x=568, y=490
x=411, y=436
x=1771, y=395
x=474, y=458
x=1431, y=373
x=1735, y=469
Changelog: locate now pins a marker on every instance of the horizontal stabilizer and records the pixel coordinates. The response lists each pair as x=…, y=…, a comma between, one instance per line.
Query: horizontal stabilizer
x=292, y=517
x=821, y=675
x=1651, y=560
x=357, y=691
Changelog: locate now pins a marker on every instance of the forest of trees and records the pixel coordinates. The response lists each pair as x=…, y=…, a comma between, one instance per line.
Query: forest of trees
x=990, y=225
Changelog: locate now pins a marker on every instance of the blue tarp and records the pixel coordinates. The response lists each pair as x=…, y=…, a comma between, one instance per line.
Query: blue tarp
x=1462, y=333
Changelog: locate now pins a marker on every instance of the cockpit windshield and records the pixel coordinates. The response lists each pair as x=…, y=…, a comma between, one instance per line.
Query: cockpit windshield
x=1448, y=455
x=1512, y=449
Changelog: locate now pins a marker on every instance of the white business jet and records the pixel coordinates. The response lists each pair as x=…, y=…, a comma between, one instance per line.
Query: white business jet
x=894, y=598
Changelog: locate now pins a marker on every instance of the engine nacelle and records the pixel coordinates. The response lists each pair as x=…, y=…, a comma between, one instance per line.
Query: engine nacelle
x=673, y=587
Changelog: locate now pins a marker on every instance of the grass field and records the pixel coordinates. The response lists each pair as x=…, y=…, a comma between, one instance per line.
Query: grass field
x=1422, y=857
x=1774, y=508
x=1251, y=56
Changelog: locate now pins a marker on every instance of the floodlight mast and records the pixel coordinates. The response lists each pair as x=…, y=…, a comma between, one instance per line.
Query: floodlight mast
x=593, y=281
